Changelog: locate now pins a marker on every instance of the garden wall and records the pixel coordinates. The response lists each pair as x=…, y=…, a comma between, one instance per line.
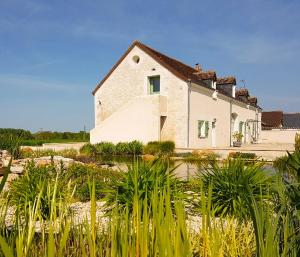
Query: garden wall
x=279, y=136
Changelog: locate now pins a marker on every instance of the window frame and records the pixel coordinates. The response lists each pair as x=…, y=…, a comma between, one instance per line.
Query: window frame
x=151, y=85
x=241, y=127
x=203, y=129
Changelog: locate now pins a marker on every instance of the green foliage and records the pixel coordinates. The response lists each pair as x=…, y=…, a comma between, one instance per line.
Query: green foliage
x=50, y=136
x=275, y=233
x=11, y=143
x=42, y=137
x=29, y=153
x=280, y=163
x=80, y=175
x=25, y=134
x=242, y=155
x=37, y=180
x=122, y=148
x=154, y=221
x=297, y=142
x=135, y=147
x=229, y=183
x=152, y=148
x=201, y=156
x=238, y=136
x=105, y=148
x=88, y=149
x=143, y=179
x=289, y=165
x=167, y=148
x=160, y=148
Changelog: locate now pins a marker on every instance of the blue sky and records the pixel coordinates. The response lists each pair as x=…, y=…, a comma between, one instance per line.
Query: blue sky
x=53, y=53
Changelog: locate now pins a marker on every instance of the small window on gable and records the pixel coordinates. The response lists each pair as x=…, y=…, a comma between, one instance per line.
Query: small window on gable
x=136, y=59
x=154, y=85
x=203, y=129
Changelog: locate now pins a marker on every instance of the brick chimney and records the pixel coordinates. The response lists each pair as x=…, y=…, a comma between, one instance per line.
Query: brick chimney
x=198, y=67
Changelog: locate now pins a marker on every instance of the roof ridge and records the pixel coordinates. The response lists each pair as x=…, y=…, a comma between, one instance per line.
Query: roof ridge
x=154, y=50
x=181, y=70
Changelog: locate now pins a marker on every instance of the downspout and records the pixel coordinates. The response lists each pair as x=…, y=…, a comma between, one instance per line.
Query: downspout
x=188, y=114
x=256, y=125
x=230, y=127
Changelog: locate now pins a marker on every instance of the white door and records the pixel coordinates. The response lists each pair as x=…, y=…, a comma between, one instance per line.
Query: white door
x=213, y=135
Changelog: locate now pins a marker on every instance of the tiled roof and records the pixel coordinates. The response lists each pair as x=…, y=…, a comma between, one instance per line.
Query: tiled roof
x=291, y=120
x=205, y=75
x=179, y=69
x=242, y=92
x=252, y=100
x=272, y=119
x=226, y=80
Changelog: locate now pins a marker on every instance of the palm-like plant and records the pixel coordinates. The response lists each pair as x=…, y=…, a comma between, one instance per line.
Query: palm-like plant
x=142, y=180
x=232, y=182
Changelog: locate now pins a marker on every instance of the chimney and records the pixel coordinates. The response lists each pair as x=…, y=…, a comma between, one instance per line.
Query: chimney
x=198, y=67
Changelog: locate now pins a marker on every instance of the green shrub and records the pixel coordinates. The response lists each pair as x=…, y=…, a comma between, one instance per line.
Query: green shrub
x=135, y=147
x=144, y=178
x=105, y=148
x=281, y=163
x=88, y=149
x=152, y=148
x=167, y=148
x=242, y=155
x=11, y=143
x=81, y=175
x=232, y=183
x=21, y=133
x=39, y=180
x=33, y=142
x=297, y=142
x=122, y=148
x=160, y=148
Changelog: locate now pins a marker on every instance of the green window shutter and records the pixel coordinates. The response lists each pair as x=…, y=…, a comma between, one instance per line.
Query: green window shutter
x=199, y=128
x=151, y=85
x=206, y=128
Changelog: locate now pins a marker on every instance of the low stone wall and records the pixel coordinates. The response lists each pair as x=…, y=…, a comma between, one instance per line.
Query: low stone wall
x=279, y=136
x=57, y=146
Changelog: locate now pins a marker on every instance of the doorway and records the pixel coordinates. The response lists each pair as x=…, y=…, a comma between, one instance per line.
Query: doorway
x=162, y=123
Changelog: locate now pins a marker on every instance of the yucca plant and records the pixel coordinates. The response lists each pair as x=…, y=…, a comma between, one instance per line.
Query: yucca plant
x=142, y=178
x=229, y=181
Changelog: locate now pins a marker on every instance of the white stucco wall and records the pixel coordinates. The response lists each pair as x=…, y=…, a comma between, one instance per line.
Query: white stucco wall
x=137, y=120
x=279, y=136
x=204, y=107
x=129, y=81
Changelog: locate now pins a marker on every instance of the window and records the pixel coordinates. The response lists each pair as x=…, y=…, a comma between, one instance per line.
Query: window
x=154, y=84
x=136, y=59
x=241, y=127
x=203, y=128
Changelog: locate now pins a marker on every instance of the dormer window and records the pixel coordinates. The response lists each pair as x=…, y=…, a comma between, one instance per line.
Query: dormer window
x=154, y=85
x=213, y=84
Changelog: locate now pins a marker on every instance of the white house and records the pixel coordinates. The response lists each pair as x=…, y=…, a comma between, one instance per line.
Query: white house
x=149, y=96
